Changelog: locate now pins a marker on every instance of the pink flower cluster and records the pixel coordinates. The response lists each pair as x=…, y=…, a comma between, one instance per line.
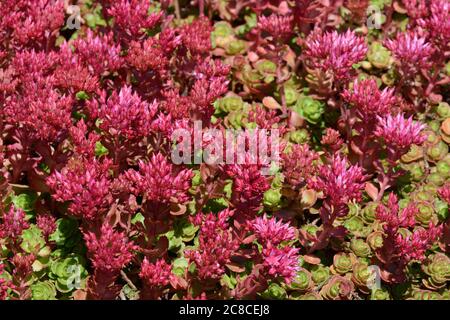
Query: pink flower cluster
x=334, y=53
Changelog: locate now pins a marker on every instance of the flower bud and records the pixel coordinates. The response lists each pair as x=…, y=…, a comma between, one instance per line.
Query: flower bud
x=436, y=179
x=424, y=295
x=266, y=67
x=368, y=212
x=354, y=225
x=222, y=34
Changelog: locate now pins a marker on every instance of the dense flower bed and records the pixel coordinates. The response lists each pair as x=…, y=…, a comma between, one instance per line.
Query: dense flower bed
x=94, y=206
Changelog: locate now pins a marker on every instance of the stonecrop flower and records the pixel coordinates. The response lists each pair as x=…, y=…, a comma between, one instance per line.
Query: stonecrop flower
x=393, y=218
x=398, y=132
x=156, y=274
x=278, y=26
x=281, y=262
x=124, y=114
x=196, y=36
x=339, y=182
x=412, y=52
x=413, y=247
x=272, y=230
x=110, y=251
x=5, y=285
x=416, y=8
x=332, y=139
x=85, y=184
x=159, y=181
x=444, y=192
x=47, y=223
x=98, y=53
x=42, y=111
x=216, y=245
x=13, y=224
x=249, y=186
x=437, y=24
x=368, y=100
x=299, y=164
x=33, y=22
x=131, y=17
x=334, y=52
x=409, y=247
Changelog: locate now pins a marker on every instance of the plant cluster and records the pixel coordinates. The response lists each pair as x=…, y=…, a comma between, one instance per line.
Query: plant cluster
x=92, y=205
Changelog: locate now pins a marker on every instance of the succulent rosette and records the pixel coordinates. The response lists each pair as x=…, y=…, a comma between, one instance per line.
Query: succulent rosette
x=228, y=150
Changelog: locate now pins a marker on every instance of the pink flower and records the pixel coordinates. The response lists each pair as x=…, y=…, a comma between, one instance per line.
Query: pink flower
x=334, y=53
x=416, y=8
x=203, y=94
x=281, y=262
x=131, y=17
x=411, y=51
x=413, y=247
x=13, y=224
x=216, y=245
x=82, y=145
x=398, y=132
x=124, y=114
x=332, y=139
x=5, y=285
x=40, y=110
x=400, y=249
x=98, y=53
x=249, y=186
x=197, y=36
x=156, y=274
x=85, y=183
x=110, y=251
x=437, y=24
x=278, y=26
x=272, y=231
x=444, y=192
x=47, y=223
x=34, y=22
x=368, y=100
x=339, y=182
x=391, y=216
x=148, y=55
x=159, y=181
x=299, y=164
